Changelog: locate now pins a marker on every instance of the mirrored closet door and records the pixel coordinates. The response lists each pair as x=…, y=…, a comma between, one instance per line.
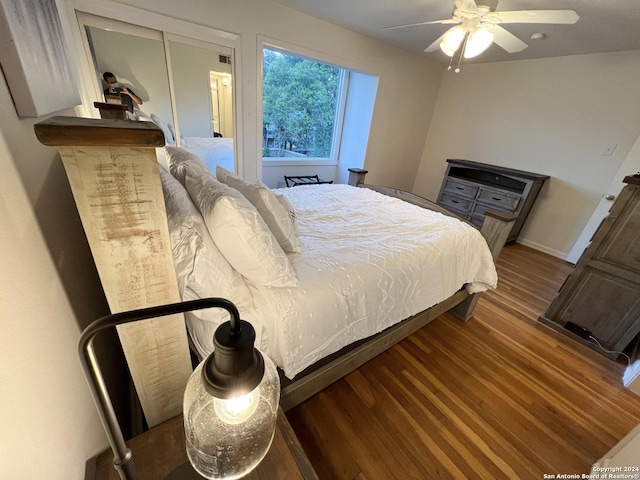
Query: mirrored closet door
x=184, y=85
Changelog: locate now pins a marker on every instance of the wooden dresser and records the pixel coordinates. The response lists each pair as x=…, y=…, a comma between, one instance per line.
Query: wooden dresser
x=601, y=297
x=470, y=189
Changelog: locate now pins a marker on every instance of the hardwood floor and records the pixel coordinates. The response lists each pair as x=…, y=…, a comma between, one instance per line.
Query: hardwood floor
x=500, y=396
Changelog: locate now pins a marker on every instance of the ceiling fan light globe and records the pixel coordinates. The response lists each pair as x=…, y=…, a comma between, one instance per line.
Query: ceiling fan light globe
x=479, y=40
x=446, y=51
x=453, y=39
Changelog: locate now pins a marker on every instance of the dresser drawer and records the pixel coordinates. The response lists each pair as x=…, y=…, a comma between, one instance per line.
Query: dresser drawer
x=460, y=189
x=502, y=200
x=482, y=209
x=476, y=218
x=459, y=204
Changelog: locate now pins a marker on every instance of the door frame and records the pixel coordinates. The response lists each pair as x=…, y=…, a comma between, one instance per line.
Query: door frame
x=629, y=166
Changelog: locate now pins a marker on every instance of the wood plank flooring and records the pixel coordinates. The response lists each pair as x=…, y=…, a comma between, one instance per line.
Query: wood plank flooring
x=498, y=397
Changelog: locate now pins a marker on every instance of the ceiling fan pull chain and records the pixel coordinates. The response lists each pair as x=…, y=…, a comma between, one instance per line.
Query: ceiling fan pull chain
x=461, y=52
x=450, y=63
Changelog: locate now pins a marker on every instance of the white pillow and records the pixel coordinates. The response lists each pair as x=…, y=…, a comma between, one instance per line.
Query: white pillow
x=223, y=174
x=288, y=207
x=239, y=231
x=201, y=268
x=177, y=158
x=272, y=211
x=141, y=116
x=168, y=138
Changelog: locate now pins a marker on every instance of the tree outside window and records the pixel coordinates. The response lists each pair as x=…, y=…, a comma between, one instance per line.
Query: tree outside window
x=300, y=99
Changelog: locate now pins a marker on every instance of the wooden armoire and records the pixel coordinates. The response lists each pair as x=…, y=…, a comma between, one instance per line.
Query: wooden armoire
x=600, y=300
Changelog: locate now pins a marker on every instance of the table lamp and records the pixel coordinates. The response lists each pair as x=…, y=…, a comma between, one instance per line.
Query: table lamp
x=230, y=402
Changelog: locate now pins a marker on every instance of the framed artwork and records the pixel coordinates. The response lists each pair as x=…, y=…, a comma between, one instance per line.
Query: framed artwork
x=34, y=58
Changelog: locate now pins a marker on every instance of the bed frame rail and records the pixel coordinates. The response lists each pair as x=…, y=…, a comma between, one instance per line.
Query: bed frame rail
x=315, y=379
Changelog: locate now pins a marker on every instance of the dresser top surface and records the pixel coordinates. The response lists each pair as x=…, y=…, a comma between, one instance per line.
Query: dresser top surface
x=632, y=180
x=497, y=169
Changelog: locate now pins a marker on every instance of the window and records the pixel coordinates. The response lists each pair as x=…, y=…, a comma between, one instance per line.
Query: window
x=303, y=105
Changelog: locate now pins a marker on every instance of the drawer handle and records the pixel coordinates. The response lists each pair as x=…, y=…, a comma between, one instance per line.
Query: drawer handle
x=497, y=199
x=454, y=201
x=459, y=188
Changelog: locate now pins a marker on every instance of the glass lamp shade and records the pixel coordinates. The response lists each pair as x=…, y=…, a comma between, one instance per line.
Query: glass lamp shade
x=228, y=437
x=452, y=40
x=479, y=40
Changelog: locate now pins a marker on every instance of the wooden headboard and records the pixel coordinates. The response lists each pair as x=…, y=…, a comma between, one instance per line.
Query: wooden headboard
x=113, y=172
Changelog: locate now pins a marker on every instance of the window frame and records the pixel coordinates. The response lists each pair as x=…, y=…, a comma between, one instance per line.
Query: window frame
x=341, y=102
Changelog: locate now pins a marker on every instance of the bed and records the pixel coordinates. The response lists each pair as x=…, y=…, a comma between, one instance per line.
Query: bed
x=341, y=300
x=363, y=261
x=212, y=151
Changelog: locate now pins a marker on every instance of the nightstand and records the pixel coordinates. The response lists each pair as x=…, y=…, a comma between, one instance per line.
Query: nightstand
x=160, y=450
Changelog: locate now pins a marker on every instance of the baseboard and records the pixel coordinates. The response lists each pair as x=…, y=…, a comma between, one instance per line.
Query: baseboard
x=542, y=248
x=631, y=377
x=584, y=341
x=622, y=456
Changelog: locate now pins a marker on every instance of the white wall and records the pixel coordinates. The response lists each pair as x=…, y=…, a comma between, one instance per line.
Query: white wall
x=49, y=423
x=629, y=166
x=191, y=66
x=551, y=116
x=356, y=125
x=47, y=288
x=406, y=93
x=273, y=175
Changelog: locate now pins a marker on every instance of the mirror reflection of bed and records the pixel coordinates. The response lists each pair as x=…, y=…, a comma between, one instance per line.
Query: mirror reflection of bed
x=212, y=151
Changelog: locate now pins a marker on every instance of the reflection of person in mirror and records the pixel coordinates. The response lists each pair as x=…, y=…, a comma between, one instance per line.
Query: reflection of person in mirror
x=127, y=95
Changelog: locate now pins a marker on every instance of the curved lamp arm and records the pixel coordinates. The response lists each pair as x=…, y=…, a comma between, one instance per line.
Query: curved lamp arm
x=123, y=461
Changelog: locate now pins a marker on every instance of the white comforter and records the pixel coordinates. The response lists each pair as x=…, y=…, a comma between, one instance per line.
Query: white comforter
x=368, y=261
x=212, y=151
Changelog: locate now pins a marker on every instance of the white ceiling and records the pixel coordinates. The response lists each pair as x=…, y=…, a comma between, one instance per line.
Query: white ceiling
x=604, y=25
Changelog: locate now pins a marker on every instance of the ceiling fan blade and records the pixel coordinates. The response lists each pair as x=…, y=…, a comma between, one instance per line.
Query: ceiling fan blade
x=435, y=45
x=538, y=16
x=448, y=20
x=507, y=40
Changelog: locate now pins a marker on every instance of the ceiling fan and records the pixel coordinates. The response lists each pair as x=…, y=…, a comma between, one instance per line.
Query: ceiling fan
x=478, y=26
